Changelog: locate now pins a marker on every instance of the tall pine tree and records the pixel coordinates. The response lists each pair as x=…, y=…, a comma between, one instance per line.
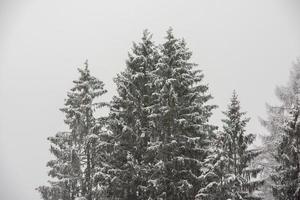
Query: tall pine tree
x=179, y=124
x=75, y=151
x=229, y=172
x=129, y=121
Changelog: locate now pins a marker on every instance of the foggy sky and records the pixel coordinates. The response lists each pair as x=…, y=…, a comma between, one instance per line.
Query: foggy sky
x=247, y=45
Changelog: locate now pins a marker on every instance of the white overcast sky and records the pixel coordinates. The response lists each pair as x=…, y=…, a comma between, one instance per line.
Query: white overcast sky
x=247, y=45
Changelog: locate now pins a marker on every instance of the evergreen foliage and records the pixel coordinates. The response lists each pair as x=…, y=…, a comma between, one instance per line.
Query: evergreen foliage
x=179, y=123
x=76, y=152
x=160, y=123
x=229, y=172
x=157, y=142
x=282, y=145
x=129, y=121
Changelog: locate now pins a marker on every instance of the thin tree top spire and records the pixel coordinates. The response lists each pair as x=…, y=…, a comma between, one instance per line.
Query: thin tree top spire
x=234, y=101
x=234, y=94
x=86, y=65
x=146, y=35
x=170, y=30
x=170, y=34
x=84, y=70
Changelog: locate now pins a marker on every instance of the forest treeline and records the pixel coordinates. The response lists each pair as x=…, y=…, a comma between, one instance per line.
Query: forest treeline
x=157, y=142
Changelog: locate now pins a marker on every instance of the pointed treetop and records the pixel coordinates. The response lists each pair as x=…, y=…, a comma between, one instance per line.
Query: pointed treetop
x=146, y=35
x=145, y=43
x=170, y=34
x=84, y=70
x=234, y=110
x=86, y=64
x=234, y=98
x=234, y=95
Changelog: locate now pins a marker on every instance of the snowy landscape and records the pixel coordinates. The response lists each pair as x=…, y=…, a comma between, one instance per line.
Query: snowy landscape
x=174, y=121
x=157, y=142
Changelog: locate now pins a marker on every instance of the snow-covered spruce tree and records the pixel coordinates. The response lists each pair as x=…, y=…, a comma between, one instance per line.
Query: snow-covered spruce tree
x=129, y=121
x=229, y=173
x=75, y=151
x=179, y=124
x=282, y=144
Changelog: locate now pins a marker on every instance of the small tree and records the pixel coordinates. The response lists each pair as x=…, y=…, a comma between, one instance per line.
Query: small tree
x=229, y=173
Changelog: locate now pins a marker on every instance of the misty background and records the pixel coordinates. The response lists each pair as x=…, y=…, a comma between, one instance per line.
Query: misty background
x=244, y=45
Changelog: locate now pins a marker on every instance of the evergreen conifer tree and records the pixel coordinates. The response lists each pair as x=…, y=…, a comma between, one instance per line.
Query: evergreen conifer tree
x=129, y=121
x=75, y=151
x=229, y=173
x=179, y=124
